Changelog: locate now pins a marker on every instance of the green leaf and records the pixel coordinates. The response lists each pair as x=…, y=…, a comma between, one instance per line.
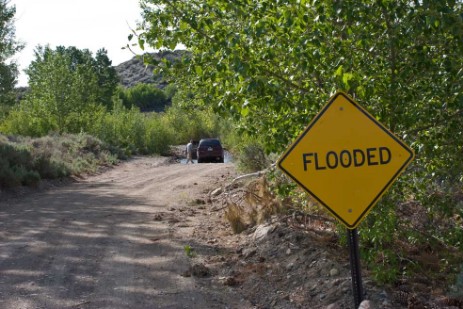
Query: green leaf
x=244, y=111
x=141, y=43
x=346, y=77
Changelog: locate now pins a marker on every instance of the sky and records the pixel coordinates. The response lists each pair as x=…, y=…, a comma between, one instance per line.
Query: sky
x=85, y=24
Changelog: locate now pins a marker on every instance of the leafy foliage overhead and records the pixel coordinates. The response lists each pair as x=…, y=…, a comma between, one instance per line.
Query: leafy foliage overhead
x=277, y=62
x=271, y=65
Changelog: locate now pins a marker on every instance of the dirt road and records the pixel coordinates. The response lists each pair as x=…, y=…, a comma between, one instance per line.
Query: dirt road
x=116, y=240
x=147, y=234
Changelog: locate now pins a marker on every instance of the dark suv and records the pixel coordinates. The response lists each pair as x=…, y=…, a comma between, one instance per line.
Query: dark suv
x=210, y=150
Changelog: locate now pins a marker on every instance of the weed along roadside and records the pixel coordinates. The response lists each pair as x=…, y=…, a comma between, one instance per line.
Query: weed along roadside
x=340, y=140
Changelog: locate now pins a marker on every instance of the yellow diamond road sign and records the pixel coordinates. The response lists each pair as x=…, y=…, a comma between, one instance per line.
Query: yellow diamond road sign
x=346, y=159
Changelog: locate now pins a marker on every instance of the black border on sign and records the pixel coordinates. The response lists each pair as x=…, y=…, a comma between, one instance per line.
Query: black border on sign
x=380, y=125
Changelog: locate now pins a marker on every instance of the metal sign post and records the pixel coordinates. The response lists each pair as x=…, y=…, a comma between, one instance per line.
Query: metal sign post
x=357, y=288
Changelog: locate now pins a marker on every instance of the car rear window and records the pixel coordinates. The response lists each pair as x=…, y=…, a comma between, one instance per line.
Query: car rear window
x=210, y=143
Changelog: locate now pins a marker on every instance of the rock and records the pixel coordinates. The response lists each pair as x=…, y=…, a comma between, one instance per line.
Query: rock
x=334, y=272
x=248, y=252
x=289, y=266
x=262, y=231
x=366, y=304
x=216, y=192
x=333, y=306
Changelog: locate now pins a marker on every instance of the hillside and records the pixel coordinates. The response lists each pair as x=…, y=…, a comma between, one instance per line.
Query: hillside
x=135, y=71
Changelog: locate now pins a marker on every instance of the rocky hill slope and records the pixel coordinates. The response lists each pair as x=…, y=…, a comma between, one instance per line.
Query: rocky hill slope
x=135, y=71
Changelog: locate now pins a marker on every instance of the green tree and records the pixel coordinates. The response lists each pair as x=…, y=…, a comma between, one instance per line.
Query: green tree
x=108, y=79
x=280, y=61
x=8, y=47
x=170, y=91
x=271, y=65
x=101, y=66
x=144, y=96
x=64, y=95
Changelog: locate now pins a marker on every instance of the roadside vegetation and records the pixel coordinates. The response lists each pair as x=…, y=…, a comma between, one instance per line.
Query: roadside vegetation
x=26, y=161
x=76, y=116
x=267, y=71
x=109, y=137
x=271, y=66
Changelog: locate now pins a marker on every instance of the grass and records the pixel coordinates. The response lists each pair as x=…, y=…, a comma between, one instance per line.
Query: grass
x=189, y=251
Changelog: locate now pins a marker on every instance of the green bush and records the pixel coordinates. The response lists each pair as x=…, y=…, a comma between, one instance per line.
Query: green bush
x=159, y=135
x=4, y=110
x=16, y=167
x=123, y=128
x=190, y=123
x=16, y=156
x=170, y=91
x=143, y=96
x=27, y=177
x=23, y=120
x=48, y=168
x=8, y=178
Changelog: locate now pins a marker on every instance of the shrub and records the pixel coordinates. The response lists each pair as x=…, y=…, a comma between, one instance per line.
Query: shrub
x=143, y=96
x=48, y=168
x=24, y=161
x=170, y=91
x=252, y=158
x=159, y=136
x=8, y=178
x=28, y=177
x=190, y=123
